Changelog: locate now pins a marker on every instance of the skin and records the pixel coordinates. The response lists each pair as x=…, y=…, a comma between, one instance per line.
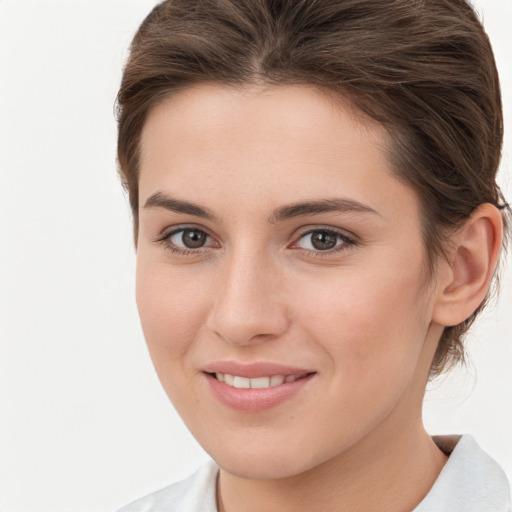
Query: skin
x=364, y=316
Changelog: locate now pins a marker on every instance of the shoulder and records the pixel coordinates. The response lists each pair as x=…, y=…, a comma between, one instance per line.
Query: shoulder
x=194, y=494
x=471, y=480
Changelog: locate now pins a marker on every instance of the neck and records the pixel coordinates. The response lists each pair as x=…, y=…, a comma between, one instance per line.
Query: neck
x=383, y=473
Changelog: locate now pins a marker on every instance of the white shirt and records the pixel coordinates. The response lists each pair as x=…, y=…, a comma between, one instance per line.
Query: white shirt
x=471, y=481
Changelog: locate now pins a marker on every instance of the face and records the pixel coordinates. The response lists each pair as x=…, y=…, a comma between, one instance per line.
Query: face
x=281, y=278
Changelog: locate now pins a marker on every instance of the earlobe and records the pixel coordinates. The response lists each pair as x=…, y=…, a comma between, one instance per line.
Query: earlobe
x=473, y=259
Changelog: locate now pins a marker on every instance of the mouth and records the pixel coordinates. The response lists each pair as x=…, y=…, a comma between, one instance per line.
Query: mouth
x=263, y=382
x=256, y=387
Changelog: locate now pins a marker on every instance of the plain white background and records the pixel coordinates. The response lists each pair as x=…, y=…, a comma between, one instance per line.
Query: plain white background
x=84, y=425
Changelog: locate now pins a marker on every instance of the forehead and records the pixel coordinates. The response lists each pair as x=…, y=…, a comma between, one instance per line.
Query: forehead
x=272, y=106
x=270, y=117
x=223, y=103
x=265, y=142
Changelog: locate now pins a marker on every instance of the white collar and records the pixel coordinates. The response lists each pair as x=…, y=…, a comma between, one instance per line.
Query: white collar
x=471, y=481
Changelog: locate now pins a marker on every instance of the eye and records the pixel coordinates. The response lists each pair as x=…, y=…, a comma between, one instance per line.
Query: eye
x=323, y=240
x=186, y=240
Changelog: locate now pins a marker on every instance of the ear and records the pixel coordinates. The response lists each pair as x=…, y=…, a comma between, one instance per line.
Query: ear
x=465, y=279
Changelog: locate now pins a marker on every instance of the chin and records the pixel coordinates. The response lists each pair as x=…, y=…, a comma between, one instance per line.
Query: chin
x=262, y=460
x=267, y=468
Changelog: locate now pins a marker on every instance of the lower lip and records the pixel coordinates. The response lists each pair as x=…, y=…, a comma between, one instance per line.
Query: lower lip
x=255, y=400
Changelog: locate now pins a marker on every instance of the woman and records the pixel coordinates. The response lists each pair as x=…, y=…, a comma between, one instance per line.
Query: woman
x=317, y=225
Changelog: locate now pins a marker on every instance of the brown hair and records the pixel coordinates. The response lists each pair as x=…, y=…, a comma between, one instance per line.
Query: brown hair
x=424, y=69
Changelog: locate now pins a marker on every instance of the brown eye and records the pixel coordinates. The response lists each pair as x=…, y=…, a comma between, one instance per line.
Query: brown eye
x=323, y=240
x=188, y=238
x=193, y=239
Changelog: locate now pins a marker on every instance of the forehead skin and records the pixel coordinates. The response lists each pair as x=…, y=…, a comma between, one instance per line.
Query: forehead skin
x=204, y=128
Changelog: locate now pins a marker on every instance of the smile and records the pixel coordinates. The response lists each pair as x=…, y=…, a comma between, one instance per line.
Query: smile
x=239, y=382
x=253, y=388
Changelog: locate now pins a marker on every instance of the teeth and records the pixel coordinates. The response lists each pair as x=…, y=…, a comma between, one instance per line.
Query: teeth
x=241, y=382
x=255, y=383
x=276, y=380
x=260, y=383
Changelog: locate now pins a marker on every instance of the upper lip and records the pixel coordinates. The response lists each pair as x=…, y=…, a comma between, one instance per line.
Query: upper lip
x=253, y=370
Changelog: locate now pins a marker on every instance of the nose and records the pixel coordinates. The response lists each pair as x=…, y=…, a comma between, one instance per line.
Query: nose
x=249, y=305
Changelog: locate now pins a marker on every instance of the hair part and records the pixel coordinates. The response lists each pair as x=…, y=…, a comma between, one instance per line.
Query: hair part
x=423, y=69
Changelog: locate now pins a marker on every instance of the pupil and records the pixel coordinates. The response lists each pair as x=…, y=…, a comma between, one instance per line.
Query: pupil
x=193, y=239
x=323, y=241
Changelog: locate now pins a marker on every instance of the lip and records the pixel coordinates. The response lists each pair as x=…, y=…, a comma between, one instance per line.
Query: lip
x=255, y=400
x=254, y=370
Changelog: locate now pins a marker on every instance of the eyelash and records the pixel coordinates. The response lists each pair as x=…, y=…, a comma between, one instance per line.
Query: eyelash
x=346, y=240
x=165, y=240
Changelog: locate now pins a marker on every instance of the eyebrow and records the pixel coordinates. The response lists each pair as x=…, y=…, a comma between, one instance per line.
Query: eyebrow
x=339, y=205
x=161, y=200
x=299, y=209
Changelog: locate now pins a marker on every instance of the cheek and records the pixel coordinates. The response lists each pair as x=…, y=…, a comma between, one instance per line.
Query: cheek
x=372, y=335
x=368, y=322
x=171, y=311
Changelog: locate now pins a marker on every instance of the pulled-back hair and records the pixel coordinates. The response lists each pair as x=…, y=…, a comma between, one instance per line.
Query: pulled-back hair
x=423, y=69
